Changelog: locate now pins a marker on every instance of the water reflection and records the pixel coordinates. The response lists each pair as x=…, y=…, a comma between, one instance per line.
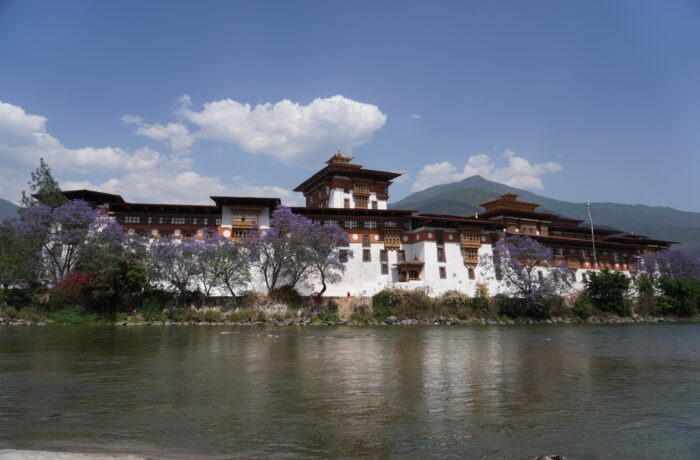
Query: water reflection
x=470, y=392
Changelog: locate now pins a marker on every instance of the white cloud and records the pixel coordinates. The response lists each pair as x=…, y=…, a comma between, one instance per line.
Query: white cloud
x=147, y=175
x=24, y=139
x=288, y=131
x=176, y=135
x=415, y=116
x=518, y=172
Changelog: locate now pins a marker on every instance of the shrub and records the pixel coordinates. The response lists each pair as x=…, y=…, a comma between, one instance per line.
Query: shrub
x=482, y=301
x=212, y=316
x=73, y=315
x=287, y=295
x=679, y=296
x=609, y=291
x=455, y=304
x=399, y=302
x=583, y=306
x=248, y=299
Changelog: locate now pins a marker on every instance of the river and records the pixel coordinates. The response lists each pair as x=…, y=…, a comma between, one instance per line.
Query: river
x=582, y=391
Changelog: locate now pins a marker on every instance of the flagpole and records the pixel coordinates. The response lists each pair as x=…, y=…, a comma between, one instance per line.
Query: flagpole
x=595, y=259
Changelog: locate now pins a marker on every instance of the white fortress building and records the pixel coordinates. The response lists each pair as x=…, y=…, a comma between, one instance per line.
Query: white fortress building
x=392, y=248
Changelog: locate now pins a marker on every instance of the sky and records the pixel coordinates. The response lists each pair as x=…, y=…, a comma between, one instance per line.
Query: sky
x=173, y=101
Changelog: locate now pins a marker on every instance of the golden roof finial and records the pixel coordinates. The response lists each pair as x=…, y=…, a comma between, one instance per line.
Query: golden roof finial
x=339, y=158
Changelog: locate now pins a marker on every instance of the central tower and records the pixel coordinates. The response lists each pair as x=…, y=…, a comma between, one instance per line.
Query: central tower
x=342, y=184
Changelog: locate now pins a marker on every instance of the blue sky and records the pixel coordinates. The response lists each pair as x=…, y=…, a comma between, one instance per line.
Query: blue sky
x=176, y=101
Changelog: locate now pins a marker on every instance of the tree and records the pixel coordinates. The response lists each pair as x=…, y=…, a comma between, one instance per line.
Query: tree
x=325, y=242
x=280, y=254
x=53, y=237
x=175, y=263
x=529, y=269
x=44, y=188
x=609, y=291
x=115, y=267
x=671, y=263
x=231, y=265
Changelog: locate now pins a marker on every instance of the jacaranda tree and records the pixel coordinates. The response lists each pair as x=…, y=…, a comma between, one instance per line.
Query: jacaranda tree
x=54, y=237
x=295, y=248
x=529, y=269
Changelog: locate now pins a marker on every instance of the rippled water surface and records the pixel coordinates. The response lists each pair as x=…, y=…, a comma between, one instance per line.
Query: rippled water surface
x=586, y=392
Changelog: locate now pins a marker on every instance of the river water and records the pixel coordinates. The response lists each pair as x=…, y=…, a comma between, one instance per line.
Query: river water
x=583, y=391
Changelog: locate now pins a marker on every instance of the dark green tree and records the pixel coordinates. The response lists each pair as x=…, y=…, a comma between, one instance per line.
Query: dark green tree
x=44, y=188
x=609, y=291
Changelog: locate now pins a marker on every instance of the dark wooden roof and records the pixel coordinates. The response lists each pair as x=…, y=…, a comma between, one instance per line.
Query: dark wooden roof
x=271, y=203
x=346, y=170
x=340, y=212
x=165, y=208
x=92, y=197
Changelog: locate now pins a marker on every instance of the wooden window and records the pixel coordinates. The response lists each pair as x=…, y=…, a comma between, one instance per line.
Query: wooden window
x=573, y=276
x=177, y=221
x=470, y=238
x=217, y=222
x=439, y=237
x=350, y=224
x=584, y=278
x=471, y=273
x=540, y=276
x=390, y=224
x=392, y=239
x=385, y=269
x=470, y=256
x=443, y=273
x=366, y=243
x=370, y=224
x=343, y=255
x=361, y=202
x=366, y=255
x=384, y=255
x=346, y=203
x=239, y=235
x=375, y=205
x=132, y=219
x=441, y=254
x=401, y=255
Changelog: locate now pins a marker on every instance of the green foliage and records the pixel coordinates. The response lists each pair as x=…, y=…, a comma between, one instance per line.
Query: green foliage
x=609, y=291
x=455, y=304
x=363, y=317
x=212, y=316
x=402, y=303
x=323, y=318
x=74, y=315
x=680, y=296
x=8, y=312
x=249, y=299
x=44, y=188
x=237, y=316
x=646, y=286
x=583, y=306
x=288, y=295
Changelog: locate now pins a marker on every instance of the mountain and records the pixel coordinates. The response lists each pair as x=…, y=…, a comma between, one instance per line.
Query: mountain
x=7, y=209
x=461, y=198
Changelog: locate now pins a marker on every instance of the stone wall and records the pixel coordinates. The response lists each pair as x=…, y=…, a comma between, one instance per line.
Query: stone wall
x=349, y=305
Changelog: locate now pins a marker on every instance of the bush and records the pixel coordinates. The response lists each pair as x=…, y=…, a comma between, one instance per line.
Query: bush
x=212, y=316
x=414, y=304
x=455, y=304
x=287, y=295
x=74, y=315
x=248, y=299
x=679, y=296
x=609, y=291
x=583, y=306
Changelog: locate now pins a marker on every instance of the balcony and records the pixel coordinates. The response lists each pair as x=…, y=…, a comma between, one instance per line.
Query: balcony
x=244, y=222
x=361, y=190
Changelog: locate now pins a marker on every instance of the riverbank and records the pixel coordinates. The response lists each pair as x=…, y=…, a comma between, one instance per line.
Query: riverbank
x=389, y=321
